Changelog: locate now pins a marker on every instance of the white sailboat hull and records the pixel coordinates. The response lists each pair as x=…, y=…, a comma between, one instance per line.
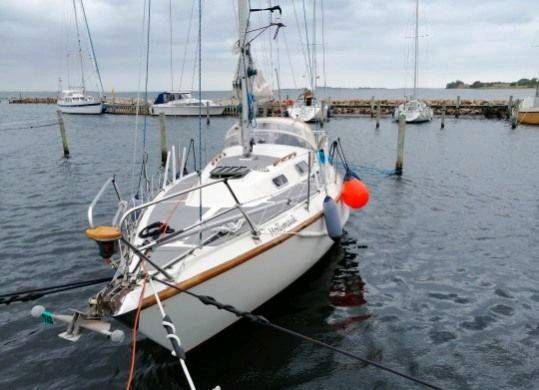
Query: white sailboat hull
x=185, y=110
x=81, y=108
x=420, y=114
x=305, y=113
x=246, y=286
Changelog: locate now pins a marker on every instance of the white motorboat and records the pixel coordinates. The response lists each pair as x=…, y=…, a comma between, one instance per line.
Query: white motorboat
x=262, y=212
x=415, y=110
x=307, y=109
x=77, y=101
x=183, y=104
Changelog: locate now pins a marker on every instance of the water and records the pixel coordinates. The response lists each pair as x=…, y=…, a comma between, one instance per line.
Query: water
x=349, y=93
x=436, y=277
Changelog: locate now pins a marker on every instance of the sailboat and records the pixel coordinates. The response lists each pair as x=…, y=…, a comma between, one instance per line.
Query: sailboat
x=181, y=103
x=307, y=107
x=77, y=100
x=414, y=110
x=261, y=213
x=528, y=109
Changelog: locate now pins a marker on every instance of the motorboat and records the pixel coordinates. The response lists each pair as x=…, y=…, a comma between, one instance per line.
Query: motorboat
x=183, y=104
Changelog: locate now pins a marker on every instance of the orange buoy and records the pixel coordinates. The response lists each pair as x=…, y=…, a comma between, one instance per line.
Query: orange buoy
x=355, y=193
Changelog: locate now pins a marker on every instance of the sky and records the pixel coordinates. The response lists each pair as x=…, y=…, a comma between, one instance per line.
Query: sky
x=367, y=43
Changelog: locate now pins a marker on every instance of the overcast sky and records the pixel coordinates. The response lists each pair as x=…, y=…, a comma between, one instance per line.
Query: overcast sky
x=367, y=42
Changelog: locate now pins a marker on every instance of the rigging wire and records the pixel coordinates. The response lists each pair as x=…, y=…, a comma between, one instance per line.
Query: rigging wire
x=307, y=44
x=324, y=75
x=300, y=34
x=145, y=121
x=186, y=45
x=200, y=111
x=137, y=109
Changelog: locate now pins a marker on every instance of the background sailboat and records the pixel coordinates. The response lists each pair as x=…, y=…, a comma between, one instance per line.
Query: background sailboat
x=77, y=100
x=307, y=107
x=415, y=110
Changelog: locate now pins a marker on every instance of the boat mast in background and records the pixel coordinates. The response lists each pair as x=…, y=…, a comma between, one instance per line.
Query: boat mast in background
x=80, y=48
x=94, y=58
x=171, y=46
x=416, y=46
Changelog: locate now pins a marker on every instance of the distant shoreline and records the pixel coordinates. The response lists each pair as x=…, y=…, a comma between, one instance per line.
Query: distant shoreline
x=523, y=83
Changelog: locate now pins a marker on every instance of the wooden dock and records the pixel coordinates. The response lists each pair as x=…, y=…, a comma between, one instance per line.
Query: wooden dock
x=495, y=109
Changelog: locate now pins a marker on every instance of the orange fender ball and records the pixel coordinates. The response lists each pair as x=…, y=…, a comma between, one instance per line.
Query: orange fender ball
x=355, y=193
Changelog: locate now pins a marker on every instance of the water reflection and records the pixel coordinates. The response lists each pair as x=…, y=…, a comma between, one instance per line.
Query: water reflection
x=347, y=289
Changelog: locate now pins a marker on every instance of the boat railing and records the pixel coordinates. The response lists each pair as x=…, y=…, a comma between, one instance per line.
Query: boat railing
x=122, y=204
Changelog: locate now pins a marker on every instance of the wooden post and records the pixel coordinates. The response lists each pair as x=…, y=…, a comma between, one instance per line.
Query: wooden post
x=442, y=124
x=510, y=107
x=372, y=106
x=163, y=138
x=378, y=115
x=207, y=113
x=514, y=116
x=400, y=144
x=63, y=133
x=457, y=108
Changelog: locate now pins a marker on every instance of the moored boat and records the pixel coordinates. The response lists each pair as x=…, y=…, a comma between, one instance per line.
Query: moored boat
x=528, y=110
x=77, y=101
x=183, y=104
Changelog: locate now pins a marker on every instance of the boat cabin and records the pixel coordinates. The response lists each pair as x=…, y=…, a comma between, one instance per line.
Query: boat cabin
x=165, y=97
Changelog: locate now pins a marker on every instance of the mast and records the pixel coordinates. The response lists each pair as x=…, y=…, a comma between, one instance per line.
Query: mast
x=102, y=91
x=243, y=19
x=171, y=48
x=80, y=48
x=416, y=44
x=314, y=65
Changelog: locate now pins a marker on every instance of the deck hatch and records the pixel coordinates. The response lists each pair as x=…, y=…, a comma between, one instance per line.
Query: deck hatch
x=229, y=172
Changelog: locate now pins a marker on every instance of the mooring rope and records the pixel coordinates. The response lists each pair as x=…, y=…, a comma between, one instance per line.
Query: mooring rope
x=258, y=319
x=32, y=294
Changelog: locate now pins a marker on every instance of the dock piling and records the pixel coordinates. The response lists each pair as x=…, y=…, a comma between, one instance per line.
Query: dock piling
x=510, y=107
x=207, y=113
x=163, y=138
x=378, y=109
x=442, y=123
x=372, y=106
x=514, y=116
x=400, y=144
x=457, y=108
x=63, y=133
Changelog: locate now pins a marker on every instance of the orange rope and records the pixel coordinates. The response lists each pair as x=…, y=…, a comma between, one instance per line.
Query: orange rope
x=134, y=337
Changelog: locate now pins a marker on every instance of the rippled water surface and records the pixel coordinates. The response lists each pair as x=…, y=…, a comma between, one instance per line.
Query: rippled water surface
x=436, y=277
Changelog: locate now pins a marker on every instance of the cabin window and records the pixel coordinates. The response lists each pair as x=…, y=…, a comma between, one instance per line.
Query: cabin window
x=302, y=167
x=280, y=180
